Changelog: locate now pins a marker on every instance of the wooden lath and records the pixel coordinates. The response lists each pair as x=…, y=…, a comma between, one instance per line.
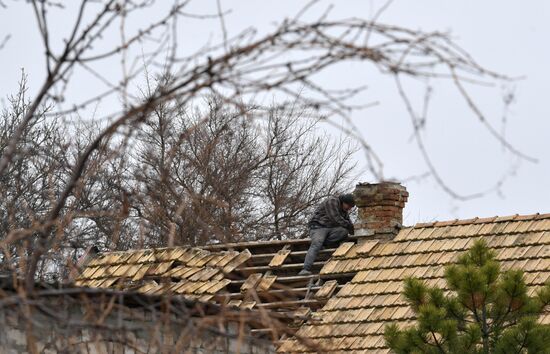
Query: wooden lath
x=269, y=280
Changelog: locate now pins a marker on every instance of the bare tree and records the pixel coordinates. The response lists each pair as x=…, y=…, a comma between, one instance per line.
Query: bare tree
x=231, y=178
x=194, y=176
x=100, y=204
x=302, y=167
x=30, y=184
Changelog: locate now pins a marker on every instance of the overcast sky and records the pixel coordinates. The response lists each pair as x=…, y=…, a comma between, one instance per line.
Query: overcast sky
x=510, y=37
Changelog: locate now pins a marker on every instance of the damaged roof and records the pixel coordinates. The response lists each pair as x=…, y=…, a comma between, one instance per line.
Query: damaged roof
x=353, y=320
x=246, y=275
x=358, y=289
x=191, y=272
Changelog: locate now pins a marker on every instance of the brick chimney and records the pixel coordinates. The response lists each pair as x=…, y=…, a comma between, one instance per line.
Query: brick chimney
x=380, y=209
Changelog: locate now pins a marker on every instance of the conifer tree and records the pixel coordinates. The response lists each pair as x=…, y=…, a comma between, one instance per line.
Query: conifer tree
x=484, y=310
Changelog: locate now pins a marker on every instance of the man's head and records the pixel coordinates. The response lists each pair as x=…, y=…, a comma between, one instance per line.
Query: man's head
x=347, y=201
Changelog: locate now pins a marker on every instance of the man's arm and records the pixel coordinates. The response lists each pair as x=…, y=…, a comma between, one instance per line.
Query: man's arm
x=332, y=209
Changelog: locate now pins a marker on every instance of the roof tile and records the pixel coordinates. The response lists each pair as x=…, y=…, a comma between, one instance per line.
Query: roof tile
x=279, y=258
x=266, y=282
x=327, y=289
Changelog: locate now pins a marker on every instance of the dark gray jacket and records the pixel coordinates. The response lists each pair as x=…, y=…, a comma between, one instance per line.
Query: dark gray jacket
x=330, y=214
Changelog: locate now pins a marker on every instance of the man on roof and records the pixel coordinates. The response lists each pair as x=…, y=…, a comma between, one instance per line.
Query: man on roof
x=329, y=226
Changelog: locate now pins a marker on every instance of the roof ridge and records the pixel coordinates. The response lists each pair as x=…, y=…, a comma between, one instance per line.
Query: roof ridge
x=477, y=220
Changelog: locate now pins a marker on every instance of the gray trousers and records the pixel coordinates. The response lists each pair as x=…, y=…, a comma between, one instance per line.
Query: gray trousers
x=323, y=237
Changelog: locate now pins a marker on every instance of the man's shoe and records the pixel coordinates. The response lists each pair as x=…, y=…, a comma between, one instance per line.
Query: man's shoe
x=304, y=272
